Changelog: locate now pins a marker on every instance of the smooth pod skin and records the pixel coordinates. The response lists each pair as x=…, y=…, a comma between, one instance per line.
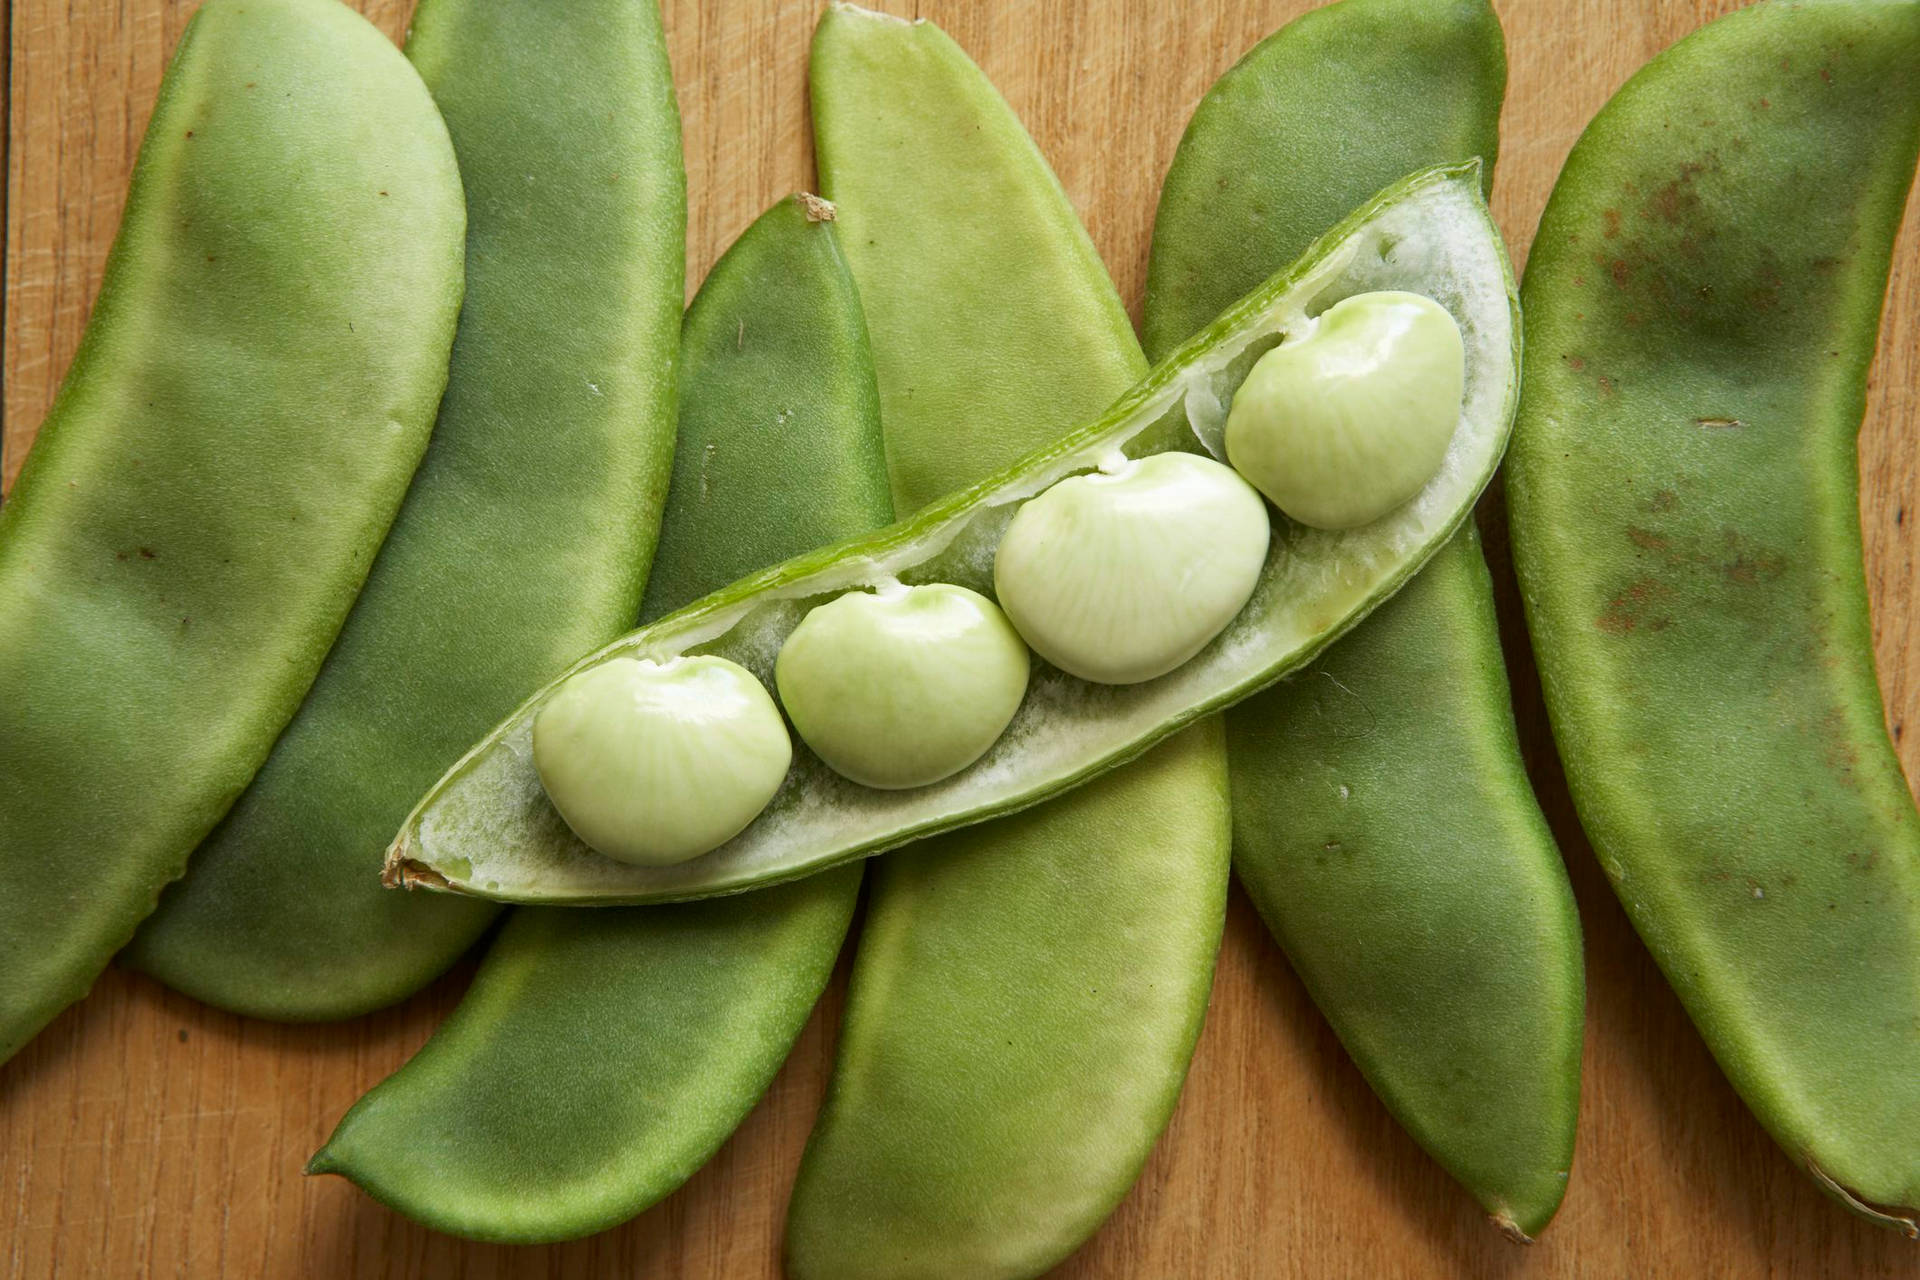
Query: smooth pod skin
x=1033, y=225
x=1344, y=423
x=656, y=762
x=254, y=390
x=524, y=539
x=1313, y=120
x=602, y=1056
x=1017, y=1029
x=1703, y=298
x=902, y=688
x=1384, y=830
x=776, y=336
x=1383, y=821
x=1121, y=576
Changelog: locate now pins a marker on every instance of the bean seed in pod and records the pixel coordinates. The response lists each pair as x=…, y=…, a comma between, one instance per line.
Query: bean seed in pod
x=904, y=686
x=1344, y=423
x=1120, y=576
x=655, y=763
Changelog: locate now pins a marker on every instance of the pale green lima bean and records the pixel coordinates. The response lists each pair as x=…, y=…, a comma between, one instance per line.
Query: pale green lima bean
x=1125, y=573
x=903, y=686
x=1348, y=420
x=653, y=763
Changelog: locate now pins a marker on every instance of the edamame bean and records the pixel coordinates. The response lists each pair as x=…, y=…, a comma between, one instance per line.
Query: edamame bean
x=1383, y=821
x=656, y=762
x=1018, y=1026
x=1703, y=296
x=903, y=686
x=487, y=827
x=524, y=538
x=1348, y=420
x=502, y=1127
x=256, y=385
x=1120, y=576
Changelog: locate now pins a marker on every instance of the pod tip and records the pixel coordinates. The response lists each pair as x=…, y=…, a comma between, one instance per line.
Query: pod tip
x=402, y=871
x=842, y=8
x=1901, y=1219
x=1504, y=1220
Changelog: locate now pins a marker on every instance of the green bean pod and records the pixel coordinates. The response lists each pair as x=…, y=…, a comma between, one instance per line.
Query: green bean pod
x=488, y=828
x=1383, y=821
x=602, y=1056
x=524, y=539
x=1019, y=1025
x=254, y=390
x=1703, y=295
x=775, y=338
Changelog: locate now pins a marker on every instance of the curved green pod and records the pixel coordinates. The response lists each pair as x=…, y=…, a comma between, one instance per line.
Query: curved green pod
x=254, y=390
x=487, y=827
x=524, y=539
x=1703, y=297
x=1383, y=821
x=1019, y=1023
x=776, y=336
x=1384, y=829
x=1018, y=1027
x=1313, y=120
x=602, y=1056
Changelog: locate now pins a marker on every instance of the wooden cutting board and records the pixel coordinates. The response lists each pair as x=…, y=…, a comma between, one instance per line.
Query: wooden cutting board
x=143, y=1134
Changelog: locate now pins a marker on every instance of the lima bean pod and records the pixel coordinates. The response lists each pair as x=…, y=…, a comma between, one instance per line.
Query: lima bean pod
x=255, y=387
x=524, y=538
x=602, y=1056
x=488, y=828
x=1025, y=995
x=1703, y=297
x=1383, y=821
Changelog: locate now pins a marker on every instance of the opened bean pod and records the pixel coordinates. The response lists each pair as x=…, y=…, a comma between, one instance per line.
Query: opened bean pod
x=1116, y=576
x=488, y=827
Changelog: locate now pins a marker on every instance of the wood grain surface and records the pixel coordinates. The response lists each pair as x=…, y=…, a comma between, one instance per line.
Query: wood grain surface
x=142, y=1134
